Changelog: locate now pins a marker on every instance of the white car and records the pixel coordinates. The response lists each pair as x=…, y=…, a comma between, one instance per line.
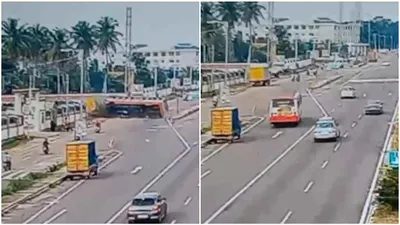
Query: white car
x=348, y=92
x=386, y=63
x=326, y=129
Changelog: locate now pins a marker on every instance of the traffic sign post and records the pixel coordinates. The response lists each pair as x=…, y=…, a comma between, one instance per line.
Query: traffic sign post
x=393, y=159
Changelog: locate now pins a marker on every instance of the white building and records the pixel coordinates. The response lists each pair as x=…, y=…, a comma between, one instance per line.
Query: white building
x=181, y=55
x=320, y=29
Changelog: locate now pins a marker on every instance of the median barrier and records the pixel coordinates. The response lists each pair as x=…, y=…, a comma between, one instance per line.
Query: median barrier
x=325, y=82
x=186, y=113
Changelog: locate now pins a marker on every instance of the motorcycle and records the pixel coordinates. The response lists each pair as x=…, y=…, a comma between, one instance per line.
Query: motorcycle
x=6, y=166
x=46, y=147
x=97, y=129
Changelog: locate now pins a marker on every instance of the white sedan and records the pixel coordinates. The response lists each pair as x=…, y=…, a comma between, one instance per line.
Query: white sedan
x=386, y=64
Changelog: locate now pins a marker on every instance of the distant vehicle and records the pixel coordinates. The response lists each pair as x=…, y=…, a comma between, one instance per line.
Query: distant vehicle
x=326, y=129
x=379, y=102
x=386, y=63
x=149, y=206
x=285, y=110
x=347, y=92
x=259, y=74
x=373, y=108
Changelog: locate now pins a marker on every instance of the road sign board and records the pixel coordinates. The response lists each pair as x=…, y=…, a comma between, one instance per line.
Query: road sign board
x=393, y=157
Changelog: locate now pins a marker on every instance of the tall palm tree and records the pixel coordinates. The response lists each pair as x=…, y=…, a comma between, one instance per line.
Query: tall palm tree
x=107, y=38
x=58, y=40
x=229, y=12
x=251, y=11
x=15, y=39
x=83, y=35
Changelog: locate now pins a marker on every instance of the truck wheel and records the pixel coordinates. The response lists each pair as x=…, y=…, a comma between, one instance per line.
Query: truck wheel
x=263, y=83
x=269, y=83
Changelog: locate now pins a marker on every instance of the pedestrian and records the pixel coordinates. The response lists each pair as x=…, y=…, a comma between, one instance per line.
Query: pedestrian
x=53, y=125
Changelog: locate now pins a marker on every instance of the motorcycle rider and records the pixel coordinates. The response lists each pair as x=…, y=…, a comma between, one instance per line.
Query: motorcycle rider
x=45, y=145
x=98, y=126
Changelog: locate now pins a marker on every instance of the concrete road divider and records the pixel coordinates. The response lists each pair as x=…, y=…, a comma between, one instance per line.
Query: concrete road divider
x=186, y=113
x=325, y=82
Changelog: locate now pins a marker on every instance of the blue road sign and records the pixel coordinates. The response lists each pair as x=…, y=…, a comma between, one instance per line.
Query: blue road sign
x=394, y=159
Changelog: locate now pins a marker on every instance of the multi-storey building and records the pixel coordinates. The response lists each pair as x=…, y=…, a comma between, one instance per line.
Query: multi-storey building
x=320, y=30
x=180, y=55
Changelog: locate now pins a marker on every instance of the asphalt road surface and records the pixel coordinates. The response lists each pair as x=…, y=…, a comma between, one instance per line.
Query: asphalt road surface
x=281, y=175
x=152, y=146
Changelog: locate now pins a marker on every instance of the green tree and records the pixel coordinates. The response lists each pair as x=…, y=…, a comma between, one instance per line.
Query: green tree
x=15, y=39
x=107, y=40
x=83, y=38
x=389, y=191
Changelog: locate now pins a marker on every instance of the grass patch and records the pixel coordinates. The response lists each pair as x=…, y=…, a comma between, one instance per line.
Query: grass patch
x=385, y=214
x=14, y=143
x=205, y=129
x=28, y=181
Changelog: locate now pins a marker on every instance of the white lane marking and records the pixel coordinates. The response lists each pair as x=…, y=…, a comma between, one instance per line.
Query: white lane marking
x=317, y=103
x=136, y=170
x=111, y=143
x=253, y=110
x=337, y=147
x=333, y=110
x=277, y=134
x=173, y=221
x=359, y=116
x=353, y=124
x=308, y=187
x=324, y=164
x=261, y=119
x=55, y=201
x=390, y=93
x=255, y=179
x=55, y=216
x=340, y=104
x=147, y=140
x=286, y=218
x=205, y=174
x=364, y=95
x=151, y=130
x=366, y=209
x=346, y=134
x=159, y=176
x=187, y=201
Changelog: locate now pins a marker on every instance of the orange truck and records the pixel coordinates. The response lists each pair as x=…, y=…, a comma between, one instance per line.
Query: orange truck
x=285, y=110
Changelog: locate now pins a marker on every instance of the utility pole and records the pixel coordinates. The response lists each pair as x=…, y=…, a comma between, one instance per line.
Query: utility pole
x=128, y=50
x=155, y=80
x=340, y=26
x=82, y=59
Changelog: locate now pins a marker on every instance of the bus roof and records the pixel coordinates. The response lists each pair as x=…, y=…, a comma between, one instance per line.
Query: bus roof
x=283, y=97
x=128, y=101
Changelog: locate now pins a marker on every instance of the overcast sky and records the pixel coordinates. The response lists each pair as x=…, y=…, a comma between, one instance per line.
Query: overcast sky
x=160, y=25
x=307, y=11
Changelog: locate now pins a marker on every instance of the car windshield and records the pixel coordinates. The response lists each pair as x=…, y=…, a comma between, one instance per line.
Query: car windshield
x=143, y=202
x=277, y=103
x=325, y=125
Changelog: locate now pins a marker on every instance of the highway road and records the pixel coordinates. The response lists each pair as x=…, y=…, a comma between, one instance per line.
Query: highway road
x=155, y=158
x=282, y=176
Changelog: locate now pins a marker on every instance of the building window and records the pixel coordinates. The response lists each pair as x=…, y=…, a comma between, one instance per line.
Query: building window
x=177, y=53
x=148, y=61
x=171, y=61
x=177, y=61
x=155, y=54
x=171, y=53
x=311, y=34
x=155, y=61
x=317, y=27
x=311, y=27
x=296, y=27
x=289, y=27
x=139, y=54
x=163, y=54
x=147, y=54
x=303, y=27
x=162, y=61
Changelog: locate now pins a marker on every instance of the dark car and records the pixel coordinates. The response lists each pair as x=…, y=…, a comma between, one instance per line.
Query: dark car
x=149, y=206
x=373, y=109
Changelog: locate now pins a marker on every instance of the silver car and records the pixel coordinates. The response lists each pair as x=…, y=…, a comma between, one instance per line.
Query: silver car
x=373, y=109
x=149, y=206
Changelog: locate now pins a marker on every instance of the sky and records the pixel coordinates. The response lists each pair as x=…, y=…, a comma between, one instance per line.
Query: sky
x=158, y=24
x=308, y=11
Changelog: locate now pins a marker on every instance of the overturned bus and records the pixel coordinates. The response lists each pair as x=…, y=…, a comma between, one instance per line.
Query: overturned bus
x=129, y=107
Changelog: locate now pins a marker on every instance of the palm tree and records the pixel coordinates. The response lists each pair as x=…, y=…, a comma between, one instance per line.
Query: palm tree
x=251, y=11
x=83, y=35
x=15, y=39
x=229, y=12
x=107, y=37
